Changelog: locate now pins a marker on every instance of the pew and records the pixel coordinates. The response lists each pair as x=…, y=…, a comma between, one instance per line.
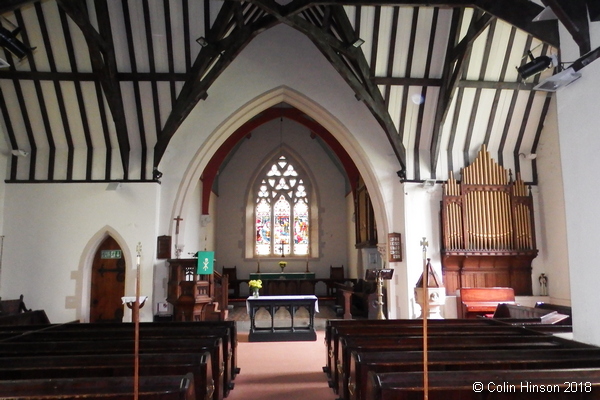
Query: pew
x=103, y=332
x=197, y=345
x=566, y=310
x=545, y=316
x=107, y=365
x=13, y=312
x=162, y=387
x=457, y=342
x=474, y=302
x=406, y=361
x=335, y=328
x=533, y=384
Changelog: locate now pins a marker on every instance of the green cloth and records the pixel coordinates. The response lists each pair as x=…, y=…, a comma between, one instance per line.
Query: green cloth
x=206, y=262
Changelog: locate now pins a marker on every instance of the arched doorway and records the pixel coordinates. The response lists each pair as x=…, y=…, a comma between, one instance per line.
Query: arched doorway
x=108, y=283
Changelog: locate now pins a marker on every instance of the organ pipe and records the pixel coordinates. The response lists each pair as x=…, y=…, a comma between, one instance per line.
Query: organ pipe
x=487, y=212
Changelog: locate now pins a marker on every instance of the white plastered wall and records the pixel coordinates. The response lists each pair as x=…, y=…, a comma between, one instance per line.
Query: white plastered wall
x=52, y=232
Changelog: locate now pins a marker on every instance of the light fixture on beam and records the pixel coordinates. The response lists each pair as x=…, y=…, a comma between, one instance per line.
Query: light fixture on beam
x=8, y=40
x=536, y=65
x=558, y=81
x=19, y=153
x=358, y=42
x=202, y=41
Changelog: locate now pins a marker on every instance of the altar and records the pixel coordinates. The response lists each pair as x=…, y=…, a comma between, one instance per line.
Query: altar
x=286, y=283
x=271, y=332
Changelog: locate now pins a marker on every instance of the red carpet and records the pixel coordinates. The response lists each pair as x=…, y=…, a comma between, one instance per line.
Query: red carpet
x=281, y=370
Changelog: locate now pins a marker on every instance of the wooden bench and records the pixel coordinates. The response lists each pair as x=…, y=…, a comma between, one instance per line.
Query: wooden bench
x=474, y=302
x=566, y=310
x=102, y=332
x=334, y=328
x=545, y=316
x=559, y=384
x=162, y=387
x=197, y=345
x=407, y=361
x=332, y=325
x=107, y=365
x=458, y=342
x=13, y=312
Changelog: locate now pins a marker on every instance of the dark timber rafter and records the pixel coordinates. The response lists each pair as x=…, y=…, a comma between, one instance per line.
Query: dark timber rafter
x=519, y=13
x=453, y=68
x=573, y=15
x=102, y=55
x=209, y=64
x=348, y=60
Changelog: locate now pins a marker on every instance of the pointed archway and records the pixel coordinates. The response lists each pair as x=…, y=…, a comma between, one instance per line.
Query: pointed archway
x=107, y=283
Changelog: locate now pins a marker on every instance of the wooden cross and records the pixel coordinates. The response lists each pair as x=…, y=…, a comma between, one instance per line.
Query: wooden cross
x=178, y=219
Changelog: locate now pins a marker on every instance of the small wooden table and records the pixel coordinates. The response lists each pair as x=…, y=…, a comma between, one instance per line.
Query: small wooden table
x=287, y=333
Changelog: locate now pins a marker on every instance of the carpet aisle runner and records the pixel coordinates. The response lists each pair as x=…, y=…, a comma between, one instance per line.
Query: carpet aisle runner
x=281, y=370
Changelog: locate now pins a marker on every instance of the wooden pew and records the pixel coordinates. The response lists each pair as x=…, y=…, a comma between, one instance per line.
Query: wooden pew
x=557, y=384
x=107, y=365
x=336, y=329
x=13, y=312
x=406, y=361
x=545, y=316
x=162, y=387
x=197, y=345
x=474, y=302
x=332, y=326
x=457, y=342
x=147, y=331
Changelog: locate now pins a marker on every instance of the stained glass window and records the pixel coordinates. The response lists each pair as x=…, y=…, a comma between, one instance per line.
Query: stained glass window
x=282, y=212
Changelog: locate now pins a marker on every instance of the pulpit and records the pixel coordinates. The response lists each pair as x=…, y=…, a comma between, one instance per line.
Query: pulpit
x=192, y=295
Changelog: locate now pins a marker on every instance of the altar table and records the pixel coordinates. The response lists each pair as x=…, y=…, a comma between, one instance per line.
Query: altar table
x=287, y=333
x=282, y=275
x=286, y=283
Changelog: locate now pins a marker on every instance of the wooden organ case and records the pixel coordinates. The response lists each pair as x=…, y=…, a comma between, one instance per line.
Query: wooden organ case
x=488, y=229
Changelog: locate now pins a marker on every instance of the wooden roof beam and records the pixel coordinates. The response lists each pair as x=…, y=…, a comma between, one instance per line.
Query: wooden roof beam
x=211, y=61
x=573, y=15
x=519, y=13
x=453, y=68
x=102, y=55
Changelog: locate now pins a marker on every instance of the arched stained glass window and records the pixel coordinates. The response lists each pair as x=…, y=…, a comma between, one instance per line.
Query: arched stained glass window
x=282, y=212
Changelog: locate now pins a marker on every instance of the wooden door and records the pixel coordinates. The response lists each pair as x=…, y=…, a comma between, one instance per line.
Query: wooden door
x=108, y=283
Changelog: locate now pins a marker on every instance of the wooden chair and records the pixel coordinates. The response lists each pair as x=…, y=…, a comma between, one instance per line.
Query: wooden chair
x=336, y=273
x=234, y=285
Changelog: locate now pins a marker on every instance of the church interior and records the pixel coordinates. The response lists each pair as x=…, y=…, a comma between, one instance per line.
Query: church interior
x=341, y=149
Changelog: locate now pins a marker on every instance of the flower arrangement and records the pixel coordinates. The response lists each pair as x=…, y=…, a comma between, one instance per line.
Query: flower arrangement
x=255, y=284
x=282, y=265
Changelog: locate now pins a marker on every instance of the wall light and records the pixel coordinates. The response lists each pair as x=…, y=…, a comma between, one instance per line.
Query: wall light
x=536, y=65
x=358, y=42
x=19, y=153
x=202, y=41
x=9, y=41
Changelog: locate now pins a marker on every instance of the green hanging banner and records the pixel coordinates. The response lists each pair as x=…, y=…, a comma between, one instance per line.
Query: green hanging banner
x=206, y=261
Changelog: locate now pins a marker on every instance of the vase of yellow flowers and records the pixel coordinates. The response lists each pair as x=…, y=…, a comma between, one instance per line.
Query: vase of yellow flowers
x=282, y=265
x=255, y=285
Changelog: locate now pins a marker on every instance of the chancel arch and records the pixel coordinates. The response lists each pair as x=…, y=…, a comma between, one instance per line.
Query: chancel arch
x=208, y=158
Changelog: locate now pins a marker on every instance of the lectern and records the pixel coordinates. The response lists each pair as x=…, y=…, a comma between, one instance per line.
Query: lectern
x=379, y=275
